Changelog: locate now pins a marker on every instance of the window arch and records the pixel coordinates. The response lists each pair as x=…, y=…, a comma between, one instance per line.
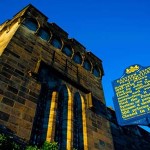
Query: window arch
x=77, y=58
x=67, y=50
x=56, y=43
x=45, y=35
x=61, y=118
x=77, y=123
x=96, y=71
x=87, y=65
x=31, y=24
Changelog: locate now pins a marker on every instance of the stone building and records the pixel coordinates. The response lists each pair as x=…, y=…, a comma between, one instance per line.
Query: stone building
x=127, y=137
x=50, y=86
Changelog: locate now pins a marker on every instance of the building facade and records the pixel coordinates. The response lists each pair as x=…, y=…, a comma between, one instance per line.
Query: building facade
x=51, y=85
x=130, y=137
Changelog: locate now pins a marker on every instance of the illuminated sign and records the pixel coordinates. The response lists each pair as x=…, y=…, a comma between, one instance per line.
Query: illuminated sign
x=132, y=96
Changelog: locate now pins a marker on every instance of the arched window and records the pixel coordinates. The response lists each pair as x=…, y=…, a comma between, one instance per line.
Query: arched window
x=96, y=71
x=44, y=34
x=68, y=51
x=77, y=58
x=61, y=118
x=56, y=43
x=49, y=83
x=77, y=123
x=30, y=24
x=87, y=65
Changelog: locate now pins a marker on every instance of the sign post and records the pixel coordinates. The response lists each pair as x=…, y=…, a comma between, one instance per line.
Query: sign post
x=132, y=96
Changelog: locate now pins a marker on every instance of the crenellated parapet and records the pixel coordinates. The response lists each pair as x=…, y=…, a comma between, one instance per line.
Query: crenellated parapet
x=37, y=23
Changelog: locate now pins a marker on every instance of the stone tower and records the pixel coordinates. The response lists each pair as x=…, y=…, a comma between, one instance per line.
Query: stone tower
x=50, y=85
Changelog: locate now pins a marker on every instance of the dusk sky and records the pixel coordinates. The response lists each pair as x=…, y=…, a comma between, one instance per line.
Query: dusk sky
x=117, y=31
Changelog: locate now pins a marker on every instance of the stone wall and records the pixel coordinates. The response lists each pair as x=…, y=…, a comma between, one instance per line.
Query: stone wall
x=20, y=87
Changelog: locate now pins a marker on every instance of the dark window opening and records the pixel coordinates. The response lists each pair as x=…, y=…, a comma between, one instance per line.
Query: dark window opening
x=66, y=50
x=56, y=43
x=49, y=83
x=96, y=71
x=61, y=118
x=30, y=24
x=38, y=135
x=77, y=123
x=44, y=34
x=87, y=65
x=77, y=58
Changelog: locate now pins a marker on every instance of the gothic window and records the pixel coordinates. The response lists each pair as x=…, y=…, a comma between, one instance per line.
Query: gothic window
x=87, y=65
x=77, y=123
x=68, y=51
x=96, y=71
x=77, y=58
x=56, y=43
x=49, y=83
x=44, y=34
x=46, y=114
x=30, y=24
x=61, y=118
x=40, y=121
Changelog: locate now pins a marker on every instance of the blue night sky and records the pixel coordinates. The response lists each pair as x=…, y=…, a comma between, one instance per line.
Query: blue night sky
x=117, y=31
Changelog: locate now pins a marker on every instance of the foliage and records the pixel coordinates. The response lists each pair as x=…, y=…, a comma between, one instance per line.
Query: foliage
x=2, y=138
x=3, y=141
x=6, y=143
x=50, y=146
x=16, y=146
x=32, y=148
x=45, y=146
